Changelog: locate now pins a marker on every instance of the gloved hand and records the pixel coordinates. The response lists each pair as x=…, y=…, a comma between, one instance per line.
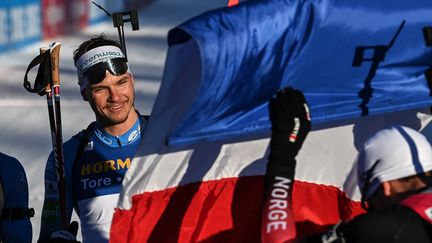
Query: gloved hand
x=65, y=236
x=289, y=115
x=290, y=118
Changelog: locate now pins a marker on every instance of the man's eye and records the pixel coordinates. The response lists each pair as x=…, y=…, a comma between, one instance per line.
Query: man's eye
x=98, y=90
x=123, y=81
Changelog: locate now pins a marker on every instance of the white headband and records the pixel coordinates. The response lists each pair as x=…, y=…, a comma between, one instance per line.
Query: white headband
x=92, y=57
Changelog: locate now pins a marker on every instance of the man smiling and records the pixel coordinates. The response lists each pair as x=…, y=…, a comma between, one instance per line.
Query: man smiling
x=97, y=158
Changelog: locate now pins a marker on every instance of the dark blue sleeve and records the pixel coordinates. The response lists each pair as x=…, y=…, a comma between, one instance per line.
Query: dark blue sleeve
x=16, y=194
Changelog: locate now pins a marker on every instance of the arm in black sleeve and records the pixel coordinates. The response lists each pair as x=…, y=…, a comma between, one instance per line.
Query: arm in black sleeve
x=289, y=115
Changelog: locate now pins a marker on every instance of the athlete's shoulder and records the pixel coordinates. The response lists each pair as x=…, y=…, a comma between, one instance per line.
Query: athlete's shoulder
x=9, y=164
x=70, y=148
x=397, y=220
x=8, y=158
x=75, y=140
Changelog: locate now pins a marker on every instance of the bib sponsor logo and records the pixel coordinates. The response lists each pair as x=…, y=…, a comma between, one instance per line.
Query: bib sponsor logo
x=133, y=136
x=97, y=175
x=93, y=183
x=89, y=146
x=51, y=211
x=105, y=166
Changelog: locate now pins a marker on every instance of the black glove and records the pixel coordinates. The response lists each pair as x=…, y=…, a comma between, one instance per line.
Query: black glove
x=65, y=236
x=290, y=118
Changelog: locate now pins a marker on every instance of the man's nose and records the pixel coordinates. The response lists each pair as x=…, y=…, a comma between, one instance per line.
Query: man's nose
x=114, y=94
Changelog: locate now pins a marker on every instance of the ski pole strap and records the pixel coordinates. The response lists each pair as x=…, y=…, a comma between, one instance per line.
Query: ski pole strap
x=43, y=76
x=17, y=213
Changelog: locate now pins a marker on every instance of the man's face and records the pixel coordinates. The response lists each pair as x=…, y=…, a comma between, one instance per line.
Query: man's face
x=112, y=100
x=379, y=200
x=389, y=193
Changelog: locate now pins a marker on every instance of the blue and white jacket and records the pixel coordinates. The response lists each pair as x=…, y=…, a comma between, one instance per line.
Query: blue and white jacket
x=93, y=182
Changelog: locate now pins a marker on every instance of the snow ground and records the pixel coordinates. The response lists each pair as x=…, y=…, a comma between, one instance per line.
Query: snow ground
x=25, y=124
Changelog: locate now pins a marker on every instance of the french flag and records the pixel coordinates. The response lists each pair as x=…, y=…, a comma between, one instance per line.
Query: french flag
x=198, y=175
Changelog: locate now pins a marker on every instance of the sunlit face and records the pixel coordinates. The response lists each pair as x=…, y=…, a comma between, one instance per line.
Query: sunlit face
x=112, y=100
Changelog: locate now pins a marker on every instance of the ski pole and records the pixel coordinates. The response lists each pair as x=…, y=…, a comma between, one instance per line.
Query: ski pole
x=48, y=93
x=55, y=77
x=46, y=83
x=53, y=128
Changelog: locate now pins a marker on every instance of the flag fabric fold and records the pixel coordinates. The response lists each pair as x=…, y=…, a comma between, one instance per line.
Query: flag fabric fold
x=350, y=58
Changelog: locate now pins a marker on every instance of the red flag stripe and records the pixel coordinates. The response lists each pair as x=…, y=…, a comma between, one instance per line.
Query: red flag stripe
x=225, y=210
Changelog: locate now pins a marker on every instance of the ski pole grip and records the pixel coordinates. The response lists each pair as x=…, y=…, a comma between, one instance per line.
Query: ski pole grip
x=42, y=50
x=48, y=86
x=55, y=60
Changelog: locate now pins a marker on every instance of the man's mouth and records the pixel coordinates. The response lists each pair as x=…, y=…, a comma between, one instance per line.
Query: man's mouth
x=115, y=107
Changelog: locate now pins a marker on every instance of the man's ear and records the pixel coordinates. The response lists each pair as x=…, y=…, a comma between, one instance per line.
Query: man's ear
x=84, y=95
x=386, y=188
x=132, y=77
